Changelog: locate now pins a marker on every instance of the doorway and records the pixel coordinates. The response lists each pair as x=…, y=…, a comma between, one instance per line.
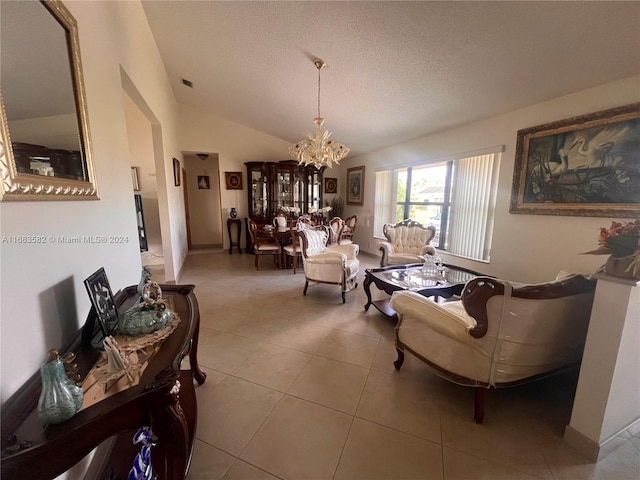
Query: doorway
x=203, y=200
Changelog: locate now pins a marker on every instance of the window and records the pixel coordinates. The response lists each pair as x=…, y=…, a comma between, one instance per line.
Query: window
x=456, y=196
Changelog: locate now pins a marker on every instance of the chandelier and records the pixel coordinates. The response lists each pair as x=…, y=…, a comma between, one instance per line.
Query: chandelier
x=318, y=150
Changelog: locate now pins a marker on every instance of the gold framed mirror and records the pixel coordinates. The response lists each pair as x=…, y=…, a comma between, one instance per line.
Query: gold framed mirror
x=45, y=142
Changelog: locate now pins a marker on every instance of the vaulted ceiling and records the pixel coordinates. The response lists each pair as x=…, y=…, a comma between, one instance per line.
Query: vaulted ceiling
x=395, y=70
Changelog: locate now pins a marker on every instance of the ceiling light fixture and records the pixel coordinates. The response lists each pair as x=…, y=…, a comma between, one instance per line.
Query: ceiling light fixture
x=202, y=156
x=318, y=150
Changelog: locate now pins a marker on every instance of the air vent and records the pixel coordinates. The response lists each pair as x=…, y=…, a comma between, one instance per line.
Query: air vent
x=186, y=82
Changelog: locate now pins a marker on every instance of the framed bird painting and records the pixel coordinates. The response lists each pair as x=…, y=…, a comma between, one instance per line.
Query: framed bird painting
x=585, y=166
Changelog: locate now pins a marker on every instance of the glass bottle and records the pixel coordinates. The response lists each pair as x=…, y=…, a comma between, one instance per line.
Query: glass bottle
x=60, y=397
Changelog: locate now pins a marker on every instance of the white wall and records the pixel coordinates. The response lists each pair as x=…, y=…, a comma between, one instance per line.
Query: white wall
x=235, y=144
x=205, y=214
x=527, y=248
x=43, y=300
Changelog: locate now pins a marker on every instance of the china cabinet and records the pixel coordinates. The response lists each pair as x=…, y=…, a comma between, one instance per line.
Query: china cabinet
x=274, y=185
x=281, y=188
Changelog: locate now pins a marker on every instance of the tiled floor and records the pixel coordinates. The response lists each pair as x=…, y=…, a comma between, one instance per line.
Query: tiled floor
x=303, y=387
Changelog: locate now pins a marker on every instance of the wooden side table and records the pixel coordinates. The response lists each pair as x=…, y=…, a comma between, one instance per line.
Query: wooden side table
x=238, y=223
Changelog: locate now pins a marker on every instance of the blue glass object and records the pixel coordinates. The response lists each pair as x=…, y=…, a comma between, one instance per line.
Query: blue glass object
x=142, y=468
x=60, y=398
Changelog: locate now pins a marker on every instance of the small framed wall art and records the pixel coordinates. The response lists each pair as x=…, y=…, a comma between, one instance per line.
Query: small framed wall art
x=233, y=180
x=176, y=172
x=330, y=185
x=355, y=186
x=203, y=182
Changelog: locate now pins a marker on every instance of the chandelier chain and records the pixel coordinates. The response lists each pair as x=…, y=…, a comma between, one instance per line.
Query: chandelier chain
x=319, y=92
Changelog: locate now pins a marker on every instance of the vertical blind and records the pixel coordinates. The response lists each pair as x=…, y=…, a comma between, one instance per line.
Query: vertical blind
x=473, y=198
x=384, y=207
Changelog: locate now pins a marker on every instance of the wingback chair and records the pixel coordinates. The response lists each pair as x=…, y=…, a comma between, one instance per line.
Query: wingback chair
x=499, y=334
x=407, y=242
x=333, y=264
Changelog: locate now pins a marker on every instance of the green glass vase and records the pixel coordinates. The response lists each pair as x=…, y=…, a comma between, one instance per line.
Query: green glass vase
x=60, y=398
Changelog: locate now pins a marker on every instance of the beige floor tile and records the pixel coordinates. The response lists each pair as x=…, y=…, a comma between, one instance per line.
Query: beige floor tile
x=260, y=329
x=505, y=437
x=621, y=464
x=273, y=366
x=212, y=317
x=232, y=412
x=522, y=435
x=461, y=466
x=208, y=463
x=635, y=429
x=224, y=352
x=405, y=405
x=300, y=440
x=375, y=452
x=330, y=383
x=243, y=471
x=299, y=336
x=349, y=347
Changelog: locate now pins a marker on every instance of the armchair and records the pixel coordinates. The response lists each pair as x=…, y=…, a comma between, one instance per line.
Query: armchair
x=333, y=264
x=407, y=242
x=499, y=334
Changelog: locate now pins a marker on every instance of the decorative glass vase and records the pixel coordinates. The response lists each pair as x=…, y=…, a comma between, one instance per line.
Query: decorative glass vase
x=60, y=398
x=233, y=213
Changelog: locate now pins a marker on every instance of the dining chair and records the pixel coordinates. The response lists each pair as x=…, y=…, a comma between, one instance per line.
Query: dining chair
x=348, y=230
x=262, y=245
x=336, y=225
x=293, y=249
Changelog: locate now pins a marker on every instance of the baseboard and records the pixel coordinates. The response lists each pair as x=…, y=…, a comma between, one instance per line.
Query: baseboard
x=592, y=450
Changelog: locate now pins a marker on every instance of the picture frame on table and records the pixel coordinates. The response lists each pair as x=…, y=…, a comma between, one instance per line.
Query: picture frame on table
x=102, y=303
x=176, y=172
x=583, y=166
x=330, y=185
x=355, y=186
x=233, y=180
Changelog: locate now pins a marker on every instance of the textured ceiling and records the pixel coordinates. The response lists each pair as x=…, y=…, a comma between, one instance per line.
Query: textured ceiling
x=395, y=70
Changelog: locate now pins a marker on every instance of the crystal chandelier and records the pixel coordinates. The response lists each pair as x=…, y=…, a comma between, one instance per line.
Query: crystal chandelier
x=318, y=150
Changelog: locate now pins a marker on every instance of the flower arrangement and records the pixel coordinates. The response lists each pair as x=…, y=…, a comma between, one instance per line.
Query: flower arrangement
x=287, y=209
x=622, y=242
x=620, y=239
x=322, y=210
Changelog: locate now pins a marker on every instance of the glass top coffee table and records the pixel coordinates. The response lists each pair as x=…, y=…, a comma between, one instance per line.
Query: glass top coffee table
x=446, y=283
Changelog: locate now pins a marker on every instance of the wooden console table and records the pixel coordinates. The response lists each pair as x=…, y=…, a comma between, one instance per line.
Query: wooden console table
x=164, y=399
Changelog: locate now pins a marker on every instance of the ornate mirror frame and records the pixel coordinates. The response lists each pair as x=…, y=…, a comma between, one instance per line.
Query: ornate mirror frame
x=15, y=185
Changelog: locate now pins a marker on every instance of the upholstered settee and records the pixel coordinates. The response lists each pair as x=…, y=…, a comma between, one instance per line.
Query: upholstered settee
x=499, y=334
x=407, y=242
x=333, y=264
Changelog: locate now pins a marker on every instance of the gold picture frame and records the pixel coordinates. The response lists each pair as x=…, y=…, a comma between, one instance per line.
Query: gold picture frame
x=330, y=185
x=233, y=180
x=355, y=186
x=28, y=170
x=582, y=166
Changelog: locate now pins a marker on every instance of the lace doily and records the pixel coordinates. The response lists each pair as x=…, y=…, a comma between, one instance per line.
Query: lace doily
x=131, y=344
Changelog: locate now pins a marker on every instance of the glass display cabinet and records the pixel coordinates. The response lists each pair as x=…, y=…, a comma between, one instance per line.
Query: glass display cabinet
x=274, y=185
